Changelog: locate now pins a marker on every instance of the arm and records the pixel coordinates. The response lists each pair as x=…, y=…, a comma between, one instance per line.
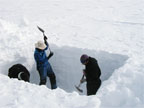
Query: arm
x=51, y=53
x=45, y=40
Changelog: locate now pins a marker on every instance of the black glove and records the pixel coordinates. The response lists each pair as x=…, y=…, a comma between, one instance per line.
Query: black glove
x=50, y=55
x=45, y=38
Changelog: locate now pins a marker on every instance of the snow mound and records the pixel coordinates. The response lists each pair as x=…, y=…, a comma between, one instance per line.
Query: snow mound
x=19, y=94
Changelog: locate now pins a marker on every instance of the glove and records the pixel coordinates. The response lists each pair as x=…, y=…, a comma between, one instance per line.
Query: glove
x=82, y=80
x=45, y=38
x=50, y=55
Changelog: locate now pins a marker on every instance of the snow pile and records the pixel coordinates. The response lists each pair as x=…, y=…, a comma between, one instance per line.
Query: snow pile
x=18, y=94
x=111, y=31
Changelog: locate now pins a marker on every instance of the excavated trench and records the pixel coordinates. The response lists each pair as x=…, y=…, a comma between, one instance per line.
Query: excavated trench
x=68, y=69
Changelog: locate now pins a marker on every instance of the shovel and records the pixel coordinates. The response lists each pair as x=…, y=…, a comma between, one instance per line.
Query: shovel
x=78, y=87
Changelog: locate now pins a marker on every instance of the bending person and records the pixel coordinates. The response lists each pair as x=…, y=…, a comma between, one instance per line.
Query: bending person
x=20, y=72
x=92, y=73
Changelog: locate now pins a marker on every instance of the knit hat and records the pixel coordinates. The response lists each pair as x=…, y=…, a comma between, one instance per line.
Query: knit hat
x=84, y=58
x=40, y=45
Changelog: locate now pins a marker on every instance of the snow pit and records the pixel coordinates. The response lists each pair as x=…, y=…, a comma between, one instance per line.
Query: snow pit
x=68, y=69
x=67, y=66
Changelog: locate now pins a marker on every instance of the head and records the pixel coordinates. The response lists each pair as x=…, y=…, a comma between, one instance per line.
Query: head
x=84, y=59
x=40, y=45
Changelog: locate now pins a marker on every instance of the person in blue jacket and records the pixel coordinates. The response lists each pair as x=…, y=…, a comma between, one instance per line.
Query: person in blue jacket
x=43, y=66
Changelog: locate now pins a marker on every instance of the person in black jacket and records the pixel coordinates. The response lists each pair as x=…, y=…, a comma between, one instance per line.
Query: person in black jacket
x=92, y=73
x=20, y=72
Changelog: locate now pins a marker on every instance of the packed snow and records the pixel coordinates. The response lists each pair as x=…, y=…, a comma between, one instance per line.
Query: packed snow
x=109, y=30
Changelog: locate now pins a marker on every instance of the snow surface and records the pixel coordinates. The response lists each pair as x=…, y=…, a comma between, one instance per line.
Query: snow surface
x=109, y=30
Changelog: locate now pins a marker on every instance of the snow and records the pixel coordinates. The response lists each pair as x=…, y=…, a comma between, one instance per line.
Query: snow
x=109, y=30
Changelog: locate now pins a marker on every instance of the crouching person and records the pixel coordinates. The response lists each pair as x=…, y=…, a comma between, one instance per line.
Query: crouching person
x=43, y=66
x=20, y=72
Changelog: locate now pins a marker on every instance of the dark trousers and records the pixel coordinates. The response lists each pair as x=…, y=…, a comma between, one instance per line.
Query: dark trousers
x=93, y=86
x=44, y=72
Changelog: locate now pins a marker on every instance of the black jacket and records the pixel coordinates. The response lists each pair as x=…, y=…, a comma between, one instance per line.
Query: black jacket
x=92, y=70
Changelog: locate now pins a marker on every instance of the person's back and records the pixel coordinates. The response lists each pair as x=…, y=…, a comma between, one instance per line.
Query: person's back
x=93, y=71
x=19, y=71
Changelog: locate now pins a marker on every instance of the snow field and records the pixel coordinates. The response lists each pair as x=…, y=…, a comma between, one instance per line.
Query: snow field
x=111, y=31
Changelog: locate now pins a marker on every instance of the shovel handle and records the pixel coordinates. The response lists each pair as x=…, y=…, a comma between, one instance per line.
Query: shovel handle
x=82, y=77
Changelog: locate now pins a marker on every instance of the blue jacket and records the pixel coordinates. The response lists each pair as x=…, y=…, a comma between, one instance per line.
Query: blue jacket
x=41, y=58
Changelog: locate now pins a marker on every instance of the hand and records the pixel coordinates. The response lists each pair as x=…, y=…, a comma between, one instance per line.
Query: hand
x=82, y=80
x=45, y=38
x=51, y=53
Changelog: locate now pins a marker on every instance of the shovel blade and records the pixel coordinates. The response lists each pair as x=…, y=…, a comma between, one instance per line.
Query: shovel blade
x=80, y=90
x=40, y=29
